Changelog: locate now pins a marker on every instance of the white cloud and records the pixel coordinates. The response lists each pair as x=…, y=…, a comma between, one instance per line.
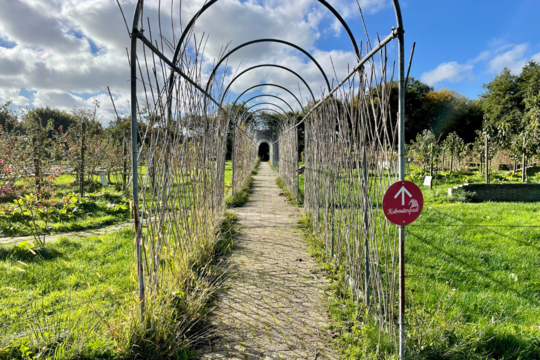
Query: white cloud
x=54, y=60
x=483, y=56
x=513, y=59
x=451, y=71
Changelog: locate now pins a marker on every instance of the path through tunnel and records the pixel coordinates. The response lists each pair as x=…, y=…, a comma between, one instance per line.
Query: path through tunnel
x=264, y=151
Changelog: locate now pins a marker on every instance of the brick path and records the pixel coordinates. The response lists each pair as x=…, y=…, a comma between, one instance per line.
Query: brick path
x=272, y=307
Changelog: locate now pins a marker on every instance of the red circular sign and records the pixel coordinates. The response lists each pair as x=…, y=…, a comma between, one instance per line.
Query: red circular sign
x=403, y=202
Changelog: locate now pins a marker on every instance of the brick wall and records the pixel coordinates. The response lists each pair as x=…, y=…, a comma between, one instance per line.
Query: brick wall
x=502, y=192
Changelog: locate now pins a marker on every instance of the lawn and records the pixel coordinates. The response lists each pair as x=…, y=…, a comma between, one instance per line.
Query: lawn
x=74, y=286
x=77, y=298
x=473, y=288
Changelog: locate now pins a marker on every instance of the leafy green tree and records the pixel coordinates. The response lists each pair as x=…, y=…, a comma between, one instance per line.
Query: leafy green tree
x=510, y=103
x=8, y=120
x=55, y=117
x=529, y=81
x=425, y=150
x=502, y=102
x=440, y=111
x=455, y=147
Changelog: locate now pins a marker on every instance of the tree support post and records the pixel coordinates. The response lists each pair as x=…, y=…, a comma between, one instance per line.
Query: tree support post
x=297, y=166
x=134, y=157
x=124, y=161
x=366, y=218
x=486, y=145
x=81, y=169
x=431, y=167
x=232, y=160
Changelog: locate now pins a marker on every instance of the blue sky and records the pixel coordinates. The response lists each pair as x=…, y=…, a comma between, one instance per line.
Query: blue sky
x=469, y=33
x=465, y=31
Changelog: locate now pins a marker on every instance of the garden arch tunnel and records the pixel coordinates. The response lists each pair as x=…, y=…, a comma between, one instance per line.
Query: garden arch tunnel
x=249, y=131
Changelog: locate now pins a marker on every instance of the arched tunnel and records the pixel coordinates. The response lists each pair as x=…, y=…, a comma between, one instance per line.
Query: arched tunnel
x=264, y=151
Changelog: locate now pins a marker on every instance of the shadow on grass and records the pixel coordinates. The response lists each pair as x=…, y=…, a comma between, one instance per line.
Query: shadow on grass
x=26, y=252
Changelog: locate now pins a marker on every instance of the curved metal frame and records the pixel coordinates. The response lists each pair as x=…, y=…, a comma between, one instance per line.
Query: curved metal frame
x=264, y=109
x=211, y=78
x=268, y=103
x=267, y=84
x=270, y=95
x=269, y=109
x=212, y=2
x=260, y=66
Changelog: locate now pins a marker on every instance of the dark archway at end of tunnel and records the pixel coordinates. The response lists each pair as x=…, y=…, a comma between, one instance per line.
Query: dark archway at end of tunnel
x=264, y=151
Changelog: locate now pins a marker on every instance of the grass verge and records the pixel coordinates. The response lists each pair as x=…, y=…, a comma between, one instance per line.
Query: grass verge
x=242, y=194
x=76, y=299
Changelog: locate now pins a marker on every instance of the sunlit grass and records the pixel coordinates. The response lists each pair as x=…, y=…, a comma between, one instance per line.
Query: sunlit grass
x=472, y=289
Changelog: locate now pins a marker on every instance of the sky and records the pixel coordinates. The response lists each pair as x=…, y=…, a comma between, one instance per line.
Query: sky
x=64, y=53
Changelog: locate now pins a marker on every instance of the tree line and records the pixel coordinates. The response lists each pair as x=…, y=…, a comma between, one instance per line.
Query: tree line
x=39, y=145
x=443, y=128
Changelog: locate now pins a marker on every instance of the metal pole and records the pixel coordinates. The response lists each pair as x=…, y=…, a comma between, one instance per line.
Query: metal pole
x=134, y=162
x=366, y=219
x=297, y=166
x=487, y=158
x=83, y=147
x=232, y=161
x=401, y=129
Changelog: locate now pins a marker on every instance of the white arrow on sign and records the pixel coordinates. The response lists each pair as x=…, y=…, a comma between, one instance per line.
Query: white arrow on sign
x=402, y=191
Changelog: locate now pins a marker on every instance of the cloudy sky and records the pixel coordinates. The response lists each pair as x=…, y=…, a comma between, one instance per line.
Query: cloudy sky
x=64, y=53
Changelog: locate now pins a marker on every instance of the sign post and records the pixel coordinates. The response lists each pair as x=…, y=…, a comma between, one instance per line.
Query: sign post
x=402, y=204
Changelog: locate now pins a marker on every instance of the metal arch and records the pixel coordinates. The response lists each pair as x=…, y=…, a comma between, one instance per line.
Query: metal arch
x=265, y=103
x=257, y=110
x=267, y=84
x=401, y=157
x=212, y=2
x=284, y=116
x=266, y=65
x=268, y=109
x=276, y=117
x=277, y=97
x=260, y=41
x=273, y=96
x=401, y=129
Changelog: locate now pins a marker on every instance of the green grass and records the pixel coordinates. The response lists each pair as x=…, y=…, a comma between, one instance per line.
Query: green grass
x=74, y=283
x=77, y=299
x=104, y=207
x=473, y=292
x=242, y=194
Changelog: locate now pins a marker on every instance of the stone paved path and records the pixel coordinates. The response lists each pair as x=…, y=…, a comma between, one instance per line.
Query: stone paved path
x=272, y=307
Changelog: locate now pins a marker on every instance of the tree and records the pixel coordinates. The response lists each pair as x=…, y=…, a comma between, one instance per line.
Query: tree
x=55, y=117
x=425, y=149
x=440, y=111
x=455, y=147
x=416, y=119
x=78, y=140
x=509, y=103
x=8, y=120
x=502, y=102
